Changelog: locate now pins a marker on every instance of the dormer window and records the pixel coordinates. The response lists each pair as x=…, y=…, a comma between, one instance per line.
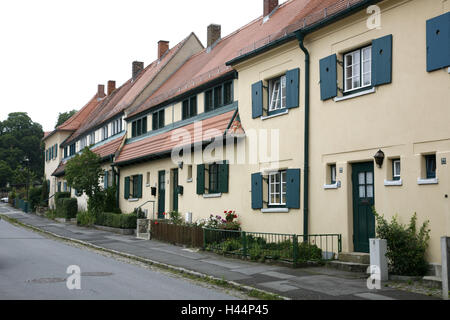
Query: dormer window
x=158, y=120
x=189, y=108
x=105, y=132
x=139, y=127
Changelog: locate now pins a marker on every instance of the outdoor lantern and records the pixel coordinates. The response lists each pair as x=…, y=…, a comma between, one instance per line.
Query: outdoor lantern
x=379, y=158
x=180, y=164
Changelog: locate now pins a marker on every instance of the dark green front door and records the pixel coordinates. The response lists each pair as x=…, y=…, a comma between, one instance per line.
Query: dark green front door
x=175, y=190
x=161, y=194
x=363, y=202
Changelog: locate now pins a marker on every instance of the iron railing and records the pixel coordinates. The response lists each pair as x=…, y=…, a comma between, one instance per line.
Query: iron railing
x=274, y=246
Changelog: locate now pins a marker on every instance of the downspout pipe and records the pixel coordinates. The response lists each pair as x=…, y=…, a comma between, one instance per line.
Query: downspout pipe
x=301, y=37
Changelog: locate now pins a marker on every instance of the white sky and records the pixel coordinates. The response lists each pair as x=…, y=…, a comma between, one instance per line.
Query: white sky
x=54, y=53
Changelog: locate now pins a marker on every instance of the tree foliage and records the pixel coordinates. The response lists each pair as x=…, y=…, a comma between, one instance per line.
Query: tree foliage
x=63, y=117
x=83, y=173
x=20, y=138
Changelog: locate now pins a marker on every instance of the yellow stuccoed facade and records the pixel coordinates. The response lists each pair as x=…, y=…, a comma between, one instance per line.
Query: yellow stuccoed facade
x=407, y=119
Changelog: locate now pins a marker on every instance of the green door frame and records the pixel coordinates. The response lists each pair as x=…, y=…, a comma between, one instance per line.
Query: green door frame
x=363, y=201
x=161, y=194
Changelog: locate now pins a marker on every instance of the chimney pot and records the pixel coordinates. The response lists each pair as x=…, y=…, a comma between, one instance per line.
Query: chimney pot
x=111, y=87
x=163, y=47
x=269, y=6
x=214, y=34
x=137, y=68
x=101, y=91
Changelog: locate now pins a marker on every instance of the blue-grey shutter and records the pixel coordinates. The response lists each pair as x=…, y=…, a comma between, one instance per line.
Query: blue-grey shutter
x=382, y=60
x=257, y=99
x=56, y=151
x=438, y=42
x=139, y=186
x=127, y=188
x=105, y=180
x=201, y=179
x=223, y=177
x=328, y=77
x=292, y=88
x=293, y=188
x=257, y=191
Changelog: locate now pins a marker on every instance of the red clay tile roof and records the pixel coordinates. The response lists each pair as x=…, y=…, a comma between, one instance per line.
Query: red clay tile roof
x=74, y=122
x=124, y=96
x=109, y=148
x=211, y=63
x=211, y=128
x=60, y=170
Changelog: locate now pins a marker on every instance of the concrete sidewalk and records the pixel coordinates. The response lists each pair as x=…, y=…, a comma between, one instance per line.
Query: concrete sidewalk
x=316, y=283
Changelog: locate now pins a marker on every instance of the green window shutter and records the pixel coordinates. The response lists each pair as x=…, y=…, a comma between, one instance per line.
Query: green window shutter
x=438, y=42
x=328, y=77
x=292, y=88
x=105, y=180
x=223, y=177
x=293, y=188
x=56, y=151
x=382, y=61
x=139, y=188
x=127, y=188
x=201, y=179
x=257, y=191
x=257, y=99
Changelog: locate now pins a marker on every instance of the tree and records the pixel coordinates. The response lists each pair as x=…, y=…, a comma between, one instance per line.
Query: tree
x=5, y=174
x=63, y=117
x=20, y=138
x=83, y=173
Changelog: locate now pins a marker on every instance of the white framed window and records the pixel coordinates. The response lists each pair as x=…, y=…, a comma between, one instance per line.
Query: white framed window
x=358, y=69
x=105, y=132
x=277, y=94
x=92, y=138
x=83, y=143
x=396, y=169
x=277, y=188
x=332, y=174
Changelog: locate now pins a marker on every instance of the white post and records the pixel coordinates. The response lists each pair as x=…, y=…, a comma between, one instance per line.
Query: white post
x=378, y=250
x=445, y=249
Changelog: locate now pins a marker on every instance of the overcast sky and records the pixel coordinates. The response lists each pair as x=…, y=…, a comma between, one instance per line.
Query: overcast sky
x=53, y=53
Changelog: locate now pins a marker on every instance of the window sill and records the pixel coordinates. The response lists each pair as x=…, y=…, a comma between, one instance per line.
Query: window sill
x=275, y=210
x=422, y=182
x=275, y=115
x=393, y=183
x=337, y=185
x=133, y=200
x=212, y=195
x=354, y=95
x=189, y=180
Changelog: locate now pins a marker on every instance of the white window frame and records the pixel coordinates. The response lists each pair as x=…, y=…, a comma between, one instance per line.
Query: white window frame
x=365, y=55
x=273, y=182
x=277, y=93
x=92, y=138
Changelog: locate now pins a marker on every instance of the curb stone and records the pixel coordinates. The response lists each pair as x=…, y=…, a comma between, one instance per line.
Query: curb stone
x=161, y=265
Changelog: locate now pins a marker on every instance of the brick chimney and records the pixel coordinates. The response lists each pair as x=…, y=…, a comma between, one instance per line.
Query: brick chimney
x=163, y=46
x=269, y=6
x=137, y=68
x=101, y=91
x=111, y=87
x=214, y=34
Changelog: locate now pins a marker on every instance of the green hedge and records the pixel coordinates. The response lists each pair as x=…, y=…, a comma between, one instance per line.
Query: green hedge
x=113, y=220
x=66, y=208
x=60, y=195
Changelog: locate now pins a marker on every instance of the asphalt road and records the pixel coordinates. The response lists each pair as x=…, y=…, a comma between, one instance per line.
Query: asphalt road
x=35, y=267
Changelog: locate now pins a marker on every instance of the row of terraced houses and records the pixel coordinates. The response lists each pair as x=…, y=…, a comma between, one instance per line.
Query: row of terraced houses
x=317, y=111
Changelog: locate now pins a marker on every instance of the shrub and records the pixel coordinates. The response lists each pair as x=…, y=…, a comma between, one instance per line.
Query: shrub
x=85, y=218
x=34, y=197
x=309, y=252
x=66, y=208
x=113, y=220
x=60, y=195
x=111, y=200
x=406, y=247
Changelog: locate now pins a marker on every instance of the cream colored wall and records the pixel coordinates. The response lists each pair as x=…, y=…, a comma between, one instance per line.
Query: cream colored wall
x=52, y=165
x=407, y=118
